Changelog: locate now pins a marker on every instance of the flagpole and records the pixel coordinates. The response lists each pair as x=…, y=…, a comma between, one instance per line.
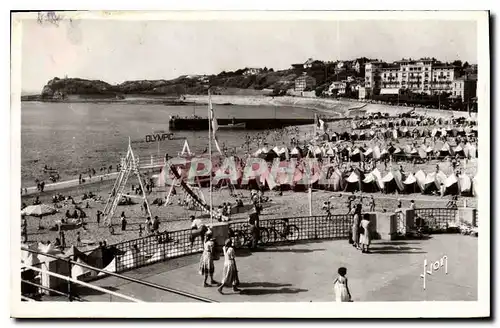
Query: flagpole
x=210, y=118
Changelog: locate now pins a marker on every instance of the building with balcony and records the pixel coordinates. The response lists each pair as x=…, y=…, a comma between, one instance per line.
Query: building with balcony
x=337, y=88
x=464, y=89
x=304, y=82
x=424, y=76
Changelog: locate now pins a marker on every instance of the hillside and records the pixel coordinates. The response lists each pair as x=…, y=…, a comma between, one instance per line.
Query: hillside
x=277, y=81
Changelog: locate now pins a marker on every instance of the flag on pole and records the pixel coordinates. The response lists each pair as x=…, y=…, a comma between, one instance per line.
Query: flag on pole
x=213, y=121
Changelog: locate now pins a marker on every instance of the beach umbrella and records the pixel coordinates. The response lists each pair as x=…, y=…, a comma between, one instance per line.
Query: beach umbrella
x=39, y=210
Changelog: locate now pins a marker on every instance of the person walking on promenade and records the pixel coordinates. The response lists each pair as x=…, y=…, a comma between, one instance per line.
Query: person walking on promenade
x=355, y=226
x=365, y=236
x=340, y=286
x=230, y=271
x=207, y=266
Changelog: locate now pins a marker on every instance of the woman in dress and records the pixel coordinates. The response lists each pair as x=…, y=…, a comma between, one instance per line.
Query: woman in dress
x=207, y=260
x=230, y=271
x=365, y=235
x=342, y=293
x=355, y=226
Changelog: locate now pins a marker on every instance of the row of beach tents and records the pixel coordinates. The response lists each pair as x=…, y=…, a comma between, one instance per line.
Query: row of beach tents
x=419, y=182
x=403, y=132
x=428, y=121
x=357, y=154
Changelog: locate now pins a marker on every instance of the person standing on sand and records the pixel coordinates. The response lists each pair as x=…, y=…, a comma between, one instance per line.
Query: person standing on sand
x=98, y=214
x=123, y=221
x=207, y=266
x=340, y=286
x=230, y=271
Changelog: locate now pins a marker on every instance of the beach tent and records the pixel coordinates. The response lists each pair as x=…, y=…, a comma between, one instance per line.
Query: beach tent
x=356, y=155
x=452, y=185
x=422, y=153
x=354, y=136
x=434, y=132
x=352, y=182
x=284, y=153
x=459, y=150
x=472, y=151
x=430, y=185
x=391, y=149
x=410, y=184
x=391, y=184
x=445, y=150
x=384, y=154
x=465, y=183
x=296, y=153
x=362, y=136
x=334, y=137
x=372, y=133
x=368, y=153
x=440, y=179
x=369, y=183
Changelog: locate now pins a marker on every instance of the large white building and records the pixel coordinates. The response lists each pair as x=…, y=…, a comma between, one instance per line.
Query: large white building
x=425, y=75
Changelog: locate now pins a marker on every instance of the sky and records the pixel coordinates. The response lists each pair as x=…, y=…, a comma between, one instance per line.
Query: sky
x=116, y=51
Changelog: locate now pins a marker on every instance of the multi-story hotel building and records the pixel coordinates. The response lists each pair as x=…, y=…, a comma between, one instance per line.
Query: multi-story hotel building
x=425, y=75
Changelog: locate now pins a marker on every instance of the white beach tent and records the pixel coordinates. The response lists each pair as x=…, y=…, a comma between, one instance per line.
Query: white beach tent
x=352, y=178
x=465, y=184
x=420, y=177
x=295, y=152
x=472, y=151
x=392, y=182
x=352, y=182
x=440, y=178
x=430, y=183
x=452, y=185
x=474, y=186
x=411, y=184
x=376, y=173
x=368, y=152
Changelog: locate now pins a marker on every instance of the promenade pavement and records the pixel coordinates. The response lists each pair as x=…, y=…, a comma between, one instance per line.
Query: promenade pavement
x=304, y=272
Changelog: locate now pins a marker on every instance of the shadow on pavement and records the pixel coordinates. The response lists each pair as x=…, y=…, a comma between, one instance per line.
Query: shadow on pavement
x=85, y=291
x=302, y=250
x=262, y=284
x=262, y=291
x=396, y=250
x=394, y=243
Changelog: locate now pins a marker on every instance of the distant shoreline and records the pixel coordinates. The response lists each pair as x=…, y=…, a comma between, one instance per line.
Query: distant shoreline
x=330, y=107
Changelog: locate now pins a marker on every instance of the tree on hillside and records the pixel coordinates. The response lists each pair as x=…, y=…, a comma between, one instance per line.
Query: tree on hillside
x=466, y=65
x=457, y=63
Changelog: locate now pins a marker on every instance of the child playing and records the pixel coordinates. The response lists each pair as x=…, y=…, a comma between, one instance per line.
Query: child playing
x=341, y=288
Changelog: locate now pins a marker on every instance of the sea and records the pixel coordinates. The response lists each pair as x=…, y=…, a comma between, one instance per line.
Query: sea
x=74, y=137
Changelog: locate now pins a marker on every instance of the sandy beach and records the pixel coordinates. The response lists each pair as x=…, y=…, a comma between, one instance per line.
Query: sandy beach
x=331, y=107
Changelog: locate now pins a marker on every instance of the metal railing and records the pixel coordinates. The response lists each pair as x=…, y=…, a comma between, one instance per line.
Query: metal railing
x=155, y=248
x=71, y=295
x=438, y=218
x=277, y=230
